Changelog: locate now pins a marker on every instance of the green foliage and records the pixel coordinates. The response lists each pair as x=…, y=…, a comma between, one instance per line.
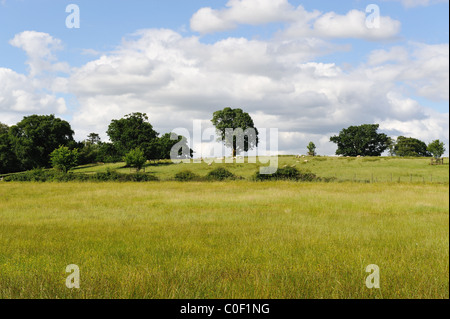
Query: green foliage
x=8, y=160
x=361, y=140
x=229, y=118
x=410, y=147
x=64, y=159
x=36, y=136
x=436, y=148
x=131, y=132
x=287, y=173
x=135, y=158
x=186, y=175
x=42, y=175
x=107, y=153
x=311, y=149
x=166, y=143
x=220, y=174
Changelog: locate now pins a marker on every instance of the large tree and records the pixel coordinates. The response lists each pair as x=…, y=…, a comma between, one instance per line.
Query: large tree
x=361, y=140
x=436, y=148
x=131, y=132
x=166, y=143
x=408, y=146
x=241, y=126
x=8, y=160
x=36, y=136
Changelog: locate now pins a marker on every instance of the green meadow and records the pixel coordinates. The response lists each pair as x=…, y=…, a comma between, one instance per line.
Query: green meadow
x=232, y=239
x=364, y=169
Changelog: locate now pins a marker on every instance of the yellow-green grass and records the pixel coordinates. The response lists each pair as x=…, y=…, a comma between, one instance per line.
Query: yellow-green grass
x=236, y=239
x=376, y=169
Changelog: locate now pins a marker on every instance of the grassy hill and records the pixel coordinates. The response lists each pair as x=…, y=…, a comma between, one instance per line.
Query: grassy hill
x=344, y=169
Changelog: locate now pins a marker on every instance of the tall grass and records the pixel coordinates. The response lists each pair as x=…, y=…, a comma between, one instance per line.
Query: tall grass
x=234, y=239
x=366, y=169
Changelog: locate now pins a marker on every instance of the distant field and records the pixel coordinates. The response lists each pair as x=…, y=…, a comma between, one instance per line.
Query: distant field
x=235, y=239
x=375, y=169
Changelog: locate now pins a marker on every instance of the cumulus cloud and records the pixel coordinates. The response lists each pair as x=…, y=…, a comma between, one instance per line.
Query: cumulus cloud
x=301, y=23
x=418, y=3
x=423, y=67
x=20, y=94
x=40, y=48
x=253, y=12
x=33, y=93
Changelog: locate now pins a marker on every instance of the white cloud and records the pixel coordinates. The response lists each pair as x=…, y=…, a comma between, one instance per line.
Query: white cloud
x=418, y=3
x=425, y=68
x=40, y=48
x=301, y=23
x=253, y=12
x=19, y=94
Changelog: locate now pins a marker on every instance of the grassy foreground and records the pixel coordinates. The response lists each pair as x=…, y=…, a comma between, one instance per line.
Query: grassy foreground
x=224, y=240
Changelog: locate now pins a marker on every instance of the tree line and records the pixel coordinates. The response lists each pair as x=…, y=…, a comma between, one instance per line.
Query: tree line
x=42, y=141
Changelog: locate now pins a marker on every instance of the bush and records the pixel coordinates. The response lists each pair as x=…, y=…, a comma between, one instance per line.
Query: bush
x=220, y=174
x=135, y=158
x=186, y=175
x=40, y=175
x=287, y=173
x=63, y=159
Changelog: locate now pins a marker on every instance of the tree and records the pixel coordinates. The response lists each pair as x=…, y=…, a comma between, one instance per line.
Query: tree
x=408, y=146
x=361, y=140
x=135, y=158
x=64, y=159
x=236, y=129
x=131, y=132
x=93, y=139
x=436, y=148
x=165, y=145
x=391, y=146
x=8, y=160
x=89, y=149
x=311, y=149
x=36, y=136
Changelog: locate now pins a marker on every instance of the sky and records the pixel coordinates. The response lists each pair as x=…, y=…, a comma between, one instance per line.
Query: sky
x=308, y=68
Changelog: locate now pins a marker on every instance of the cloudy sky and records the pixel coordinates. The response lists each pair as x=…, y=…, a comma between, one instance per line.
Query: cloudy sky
x=308, y=68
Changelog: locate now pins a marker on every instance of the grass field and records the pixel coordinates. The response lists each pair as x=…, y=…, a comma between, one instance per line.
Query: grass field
x=236, y=239
x=378, y=169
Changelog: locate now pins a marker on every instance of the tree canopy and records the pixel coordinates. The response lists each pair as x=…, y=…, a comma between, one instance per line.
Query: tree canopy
x=436, y=148
x=131, y=132
x=408, y=146
x=64, y=159
x=36, y=136
x=235, y=119
x=361, y=140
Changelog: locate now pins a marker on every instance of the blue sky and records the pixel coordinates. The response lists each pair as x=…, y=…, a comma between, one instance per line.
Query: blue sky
x=306, y=73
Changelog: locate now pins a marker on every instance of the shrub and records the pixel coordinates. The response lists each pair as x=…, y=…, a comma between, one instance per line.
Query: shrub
x=186, y=175
x=64, y=159
x=287, y=173
x=40, y=175
x=135, y=158
x=220, y=174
